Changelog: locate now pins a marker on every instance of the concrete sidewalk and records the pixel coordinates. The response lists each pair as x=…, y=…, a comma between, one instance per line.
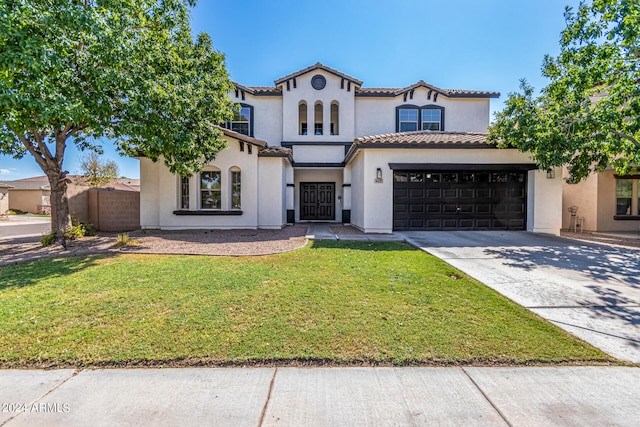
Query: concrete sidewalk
x=562, y=396
x=329, y=231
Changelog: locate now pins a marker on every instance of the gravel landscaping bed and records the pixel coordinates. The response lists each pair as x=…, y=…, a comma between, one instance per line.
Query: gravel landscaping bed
x=189, y=242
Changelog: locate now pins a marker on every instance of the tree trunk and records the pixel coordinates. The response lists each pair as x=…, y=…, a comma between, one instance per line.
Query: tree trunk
x=60, y=217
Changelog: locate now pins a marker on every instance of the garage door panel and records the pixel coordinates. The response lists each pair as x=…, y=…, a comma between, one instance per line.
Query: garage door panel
x=482, y=193
x=416, y=223
x=483, y=223
x=483, y=208
x=416, y=208
x=519, y=208
x=466, y=193
x=400, y=208
x=466, y=208
x=465, y=200
x=467, y=224
x=516, y=223
x=499, y=224
x=400, y=193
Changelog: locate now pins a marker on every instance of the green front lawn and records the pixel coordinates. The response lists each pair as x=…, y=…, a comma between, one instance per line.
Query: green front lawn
x=332, y=302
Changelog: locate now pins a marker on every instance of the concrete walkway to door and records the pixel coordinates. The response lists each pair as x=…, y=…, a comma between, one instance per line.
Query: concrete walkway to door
x=590, y=290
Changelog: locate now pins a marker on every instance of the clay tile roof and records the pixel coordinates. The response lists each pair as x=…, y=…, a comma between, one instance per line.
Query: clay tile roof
x=259, y=90
x=450, y=93
x=319, y=66
x=419, y=139
x=276, y=152
x=242, y=137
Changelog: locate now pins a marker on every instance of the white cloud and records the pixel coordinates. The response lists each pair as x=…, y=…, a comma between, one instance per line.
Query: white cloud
x=4, y=171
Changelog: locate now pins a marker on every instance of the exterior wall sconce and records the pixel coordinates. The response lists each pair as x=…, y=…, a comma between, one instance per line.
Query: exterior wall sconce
x=378, y=176
x=551, y=173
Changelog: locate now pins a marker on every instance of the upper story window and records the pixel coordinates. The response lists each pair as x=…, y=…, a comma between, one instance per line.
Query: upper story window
x=317, y=121
x=302, y=118
x=407, y=119
x=411, y=118
x=335, y=119
x=431, y=118
x=242, y=120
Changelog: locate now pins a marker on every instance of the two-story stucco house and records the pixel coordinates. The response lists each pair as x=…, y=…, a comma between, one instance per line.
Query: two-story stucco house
x=319, y=146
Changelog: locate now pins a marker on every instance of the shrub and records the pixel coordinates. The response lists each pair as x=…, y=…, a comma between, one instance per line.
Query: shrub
x=123, y=240
x=48, y=239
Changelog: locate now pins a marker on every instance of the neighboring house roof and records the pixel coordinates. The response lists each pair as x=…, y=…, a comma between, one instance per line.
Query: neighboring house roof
x=450, y=93
x=318, y=66
x=42, y=183
x=5, y=185
x=420, y=139
x=30, y=184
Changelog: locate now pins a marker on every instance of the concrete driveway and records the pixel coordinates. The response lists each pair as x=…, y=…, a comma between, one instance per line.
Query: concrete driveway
x=590, y=290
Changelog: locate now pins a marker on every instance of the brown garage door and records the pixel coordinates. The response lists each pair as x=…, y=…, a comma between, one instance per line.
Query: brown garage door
x=459, y=200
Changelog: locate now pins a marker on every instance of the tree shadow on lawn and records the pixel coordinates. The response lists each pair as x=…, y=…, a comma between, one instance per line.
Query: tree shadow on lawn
x=34, y=272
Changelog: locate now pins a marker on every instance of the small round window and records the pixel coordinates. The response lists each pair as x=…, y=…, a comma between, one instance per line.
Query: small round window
x=318, y=82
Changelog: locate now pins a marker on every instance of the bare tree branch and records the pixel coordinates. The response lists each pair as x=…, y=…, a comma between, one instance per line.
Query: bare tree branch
x=627, y=137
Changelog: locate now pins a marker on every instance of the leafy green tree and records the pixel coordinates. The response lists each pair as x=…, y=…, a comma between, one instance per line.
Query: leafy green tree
x=98, y=172
x=588, y=116
x=72, y=71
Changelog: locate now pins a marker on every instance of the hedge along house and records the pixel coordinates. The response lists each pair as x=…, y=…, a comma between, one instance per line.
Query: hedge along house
x=318, y=146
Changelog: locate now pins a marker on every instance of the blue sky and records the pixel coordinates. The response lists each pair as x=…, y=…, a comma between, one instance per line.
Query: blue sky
x=453, y=44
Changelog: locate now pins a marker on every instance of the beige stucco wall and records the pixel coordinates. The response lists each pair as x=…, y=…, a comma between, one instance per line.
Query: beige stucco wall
x=4, y=200
x=544, y=202
x=29, y=200
x=272, y=193
x=376, y=116
x=596, y=200
x=373, y=202
x=267, y=115
x=263, y=194
x=331, y=93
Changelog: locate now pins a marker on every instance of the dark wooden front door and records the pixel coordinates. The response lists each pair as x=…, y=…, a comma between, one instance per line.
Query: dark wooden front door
x=317, y=201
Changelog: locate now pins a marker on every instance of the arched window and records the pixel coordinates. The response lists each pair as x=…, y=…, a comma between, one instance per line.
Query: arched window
x=317, y=112
x=302, y=118
x=335, y=120
x=210, y=189
x=236, y=190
